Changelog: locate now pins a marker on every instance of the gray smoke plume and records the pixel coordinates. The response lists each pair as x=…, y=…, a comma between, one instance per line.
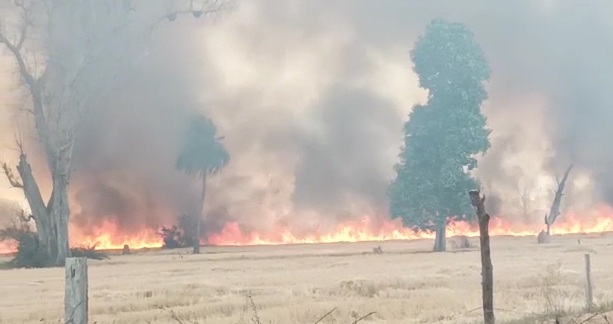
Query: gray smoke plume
x=324, y=55
x=313, y=119
x=124, y=159
x=311, y=97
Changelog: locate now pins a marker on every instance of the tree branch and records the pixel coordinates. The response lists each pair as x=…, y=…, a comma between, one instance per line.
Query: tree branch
x=26, y=23
x=23, y=218
x=15, y=48
x=33, y=83
x=8, y=172
x=10, y=176
x=23, y=69
x=207, y=8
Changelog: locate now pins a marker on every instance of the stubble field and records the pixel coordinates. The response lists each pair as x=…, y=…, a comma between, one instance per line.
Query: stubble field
x=299, y=284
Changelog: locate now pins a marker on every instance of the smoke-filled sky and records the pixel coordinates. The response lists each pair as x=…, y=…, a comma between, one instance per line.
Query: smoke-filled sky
x=311, y=96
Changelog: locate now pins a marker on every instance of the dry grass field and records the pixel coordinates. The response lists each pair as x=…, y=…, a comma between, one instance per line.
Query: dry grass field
x=298, y=284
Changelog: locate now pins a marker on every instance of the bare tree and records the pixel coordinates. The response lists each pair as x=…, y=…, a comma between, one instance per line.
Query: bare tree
x=554, y=211
x=68, y=54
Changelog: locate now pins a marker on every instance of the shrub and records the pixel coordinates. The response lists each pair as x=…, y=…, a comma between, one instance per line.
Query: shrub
x=31, y=254
x=180, y=236
x=173, y=237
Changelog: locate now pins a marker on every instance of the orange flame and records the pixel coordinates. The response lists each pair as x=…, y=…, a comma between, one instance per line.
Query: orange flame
x=104, y=237
x=367, y=230
x=108, y=236
x=7, y=247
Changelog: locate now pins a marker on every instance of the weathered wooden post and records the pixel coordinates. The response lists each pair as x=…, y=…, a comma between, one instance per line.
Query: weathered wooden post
x=75, y=296
x=487, y=269
x=589, y=299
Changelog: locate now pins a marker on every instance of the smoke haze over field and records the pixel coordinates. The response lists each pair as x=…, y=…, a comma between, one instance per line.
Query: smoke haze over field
x=311, y=96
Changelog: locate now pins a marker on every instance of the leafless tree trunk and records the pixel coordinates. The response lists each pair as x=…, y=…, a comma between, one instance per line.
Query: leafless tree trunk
x=487, y=269
x=60, y=210
x=554, y=211
x=51, y=219
x=44, y=224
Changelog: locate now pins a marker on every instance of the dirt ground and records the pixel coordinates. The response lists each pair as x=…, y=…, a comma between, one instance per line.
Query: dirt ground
x=298, y=284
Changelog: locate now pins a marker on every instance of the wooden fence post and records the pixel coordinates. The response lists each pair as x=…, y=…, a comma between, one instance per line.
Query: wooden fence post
x=487, y=269
x=589, y=299
x=75, y=297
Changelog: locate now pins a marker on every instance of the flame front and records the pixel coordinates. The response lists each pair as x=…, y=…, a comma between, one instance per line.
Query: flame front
x=108, y=236
x=368, y=230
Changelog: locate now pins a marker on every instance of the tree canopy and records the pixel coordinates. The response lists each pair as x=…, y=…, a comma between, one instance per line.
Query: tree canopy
x=442, y=137
x=201, y=151
x=202, y=154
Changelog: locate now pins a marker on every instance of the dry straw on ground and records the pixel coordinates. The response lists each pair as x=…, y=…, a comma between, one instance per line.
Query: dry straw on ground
x=298, y=284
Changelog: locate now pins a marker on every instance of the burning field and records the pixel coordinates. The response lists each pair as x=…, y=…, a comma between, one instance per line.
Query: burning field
x=368, y=229
x=298, y=167
x=312, y=120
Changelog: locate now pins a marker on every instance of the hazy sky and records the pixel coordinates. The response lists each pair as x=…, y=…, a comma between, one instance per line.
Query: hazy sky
x=311, y=96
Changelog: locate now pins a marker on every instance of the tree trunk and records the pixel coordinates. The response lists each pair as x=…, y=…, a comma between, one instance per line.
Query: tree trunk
x=59, y=210
x=200, y=216
x=59, y=204
x=197, y=237
x=440, y=240
x=487, y=269
x=45, y=228
x=554, y=211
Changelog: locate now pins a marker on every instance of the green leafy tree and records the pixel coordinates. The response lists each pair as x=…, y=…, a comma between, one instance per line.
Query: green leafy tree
x=202, y=155
x=443, y=137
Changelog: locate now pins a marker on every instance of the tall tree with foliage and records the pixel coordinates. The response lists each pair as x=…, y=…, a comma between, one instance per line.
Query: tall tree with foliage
x=201, y=154
x=442, y=137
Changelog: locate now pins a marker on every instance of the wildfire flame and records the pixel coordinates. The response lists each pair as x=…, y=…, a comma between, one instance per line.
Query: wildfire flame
x=108, y=236
x=365, y=230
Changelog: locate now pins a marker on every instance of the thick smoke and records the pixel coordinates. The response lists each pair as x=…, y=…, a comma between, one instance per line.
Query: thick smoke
x=311, y=97
x=324, y=55
x=337, y=162
x=125, y=157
